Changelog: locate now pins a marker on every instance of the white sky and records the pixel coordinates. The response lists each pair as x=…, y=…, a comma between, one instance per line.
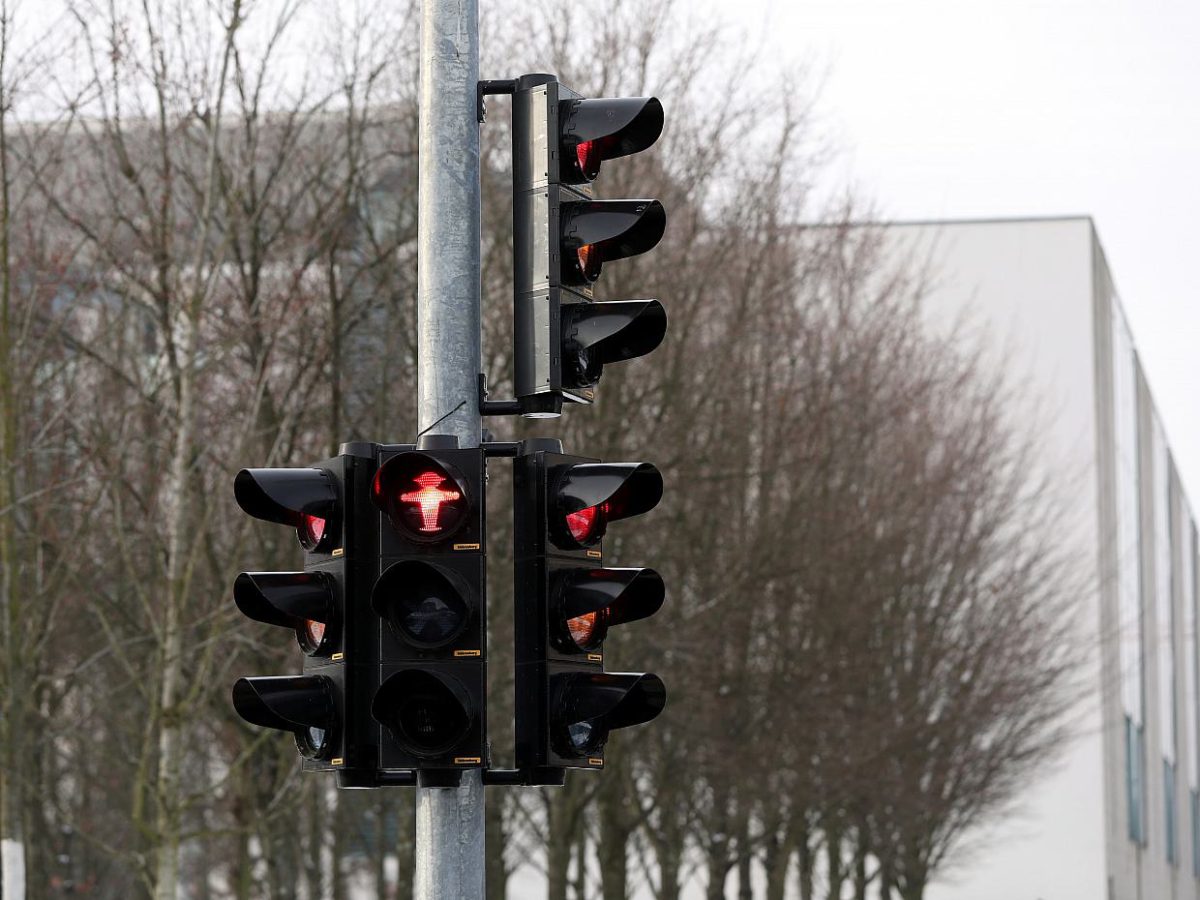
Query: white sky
x=989, y=108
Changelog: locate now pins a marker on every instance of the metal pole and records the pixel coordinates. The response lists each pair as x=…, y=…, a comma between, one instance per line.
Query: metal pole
x=449, y=848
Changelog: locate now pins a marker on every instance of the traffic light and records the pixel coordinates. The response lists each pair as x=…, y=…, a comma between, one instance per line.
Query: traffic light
x=567, y=600
x=324, y=707
x=562, y=238
x=428, y=597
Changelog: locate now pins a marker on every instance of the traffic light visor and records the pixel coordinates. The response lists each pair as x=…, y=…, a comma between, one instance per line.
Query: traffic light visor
x=306, y=499
x=625, y=595
x=301, y=704
x=589, y=601
x=598, y=231
x=424, y=498
x=588, y=707
x=589, y=495
x=595, y=334
x=605, y=128
x=302, y=601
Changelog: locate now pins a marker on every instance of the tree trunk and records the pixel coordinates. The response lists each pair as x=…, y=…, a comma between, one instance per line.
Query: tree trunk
x=776, y=855
x=669, y=854
x=579, y=882
x=168, y=788
x=406, y=843
x=804, y=866
x=612, y=849
x=745, y=860
x=564, y=814
x=837, y=867
x=719, y=864
x=13, y=690
x=495, y=843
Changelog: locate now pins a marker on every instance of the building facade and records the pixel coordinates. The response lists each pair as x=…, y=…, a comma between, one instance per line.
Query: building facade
x=1119, y=816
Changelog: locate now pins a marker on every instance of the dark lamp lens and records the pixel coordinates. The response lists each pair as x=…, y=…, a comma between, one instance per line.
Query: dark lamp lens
x=433, y=620
x=312, y=531
x=430, y=722
x=585, y=524
x=316, y=739
x=581, y=735
x=587, y=158
x=423, y=506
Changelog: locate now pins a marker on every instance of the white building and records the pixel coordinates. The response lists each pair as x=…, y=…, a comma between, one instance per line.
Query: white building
x=1119, y=817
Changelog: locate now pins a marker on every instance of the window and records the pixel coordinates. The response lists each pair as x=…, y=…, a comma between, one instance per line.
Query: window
x=1129, y=572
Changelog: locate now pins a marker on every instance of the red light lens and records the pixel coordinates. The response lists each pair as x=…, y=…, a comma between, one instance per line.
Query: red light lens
x=427, y=501
x=312, y=531
x=587, y=523
x=587, y=157
x=314, y=632
x=589, y=261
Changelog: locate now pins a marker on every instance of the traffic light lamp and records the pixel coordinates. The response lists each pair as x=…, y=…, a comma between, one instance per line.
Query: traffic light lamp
x=566, y=601
x=429, y=601
x=562, y=238
x=325, y=707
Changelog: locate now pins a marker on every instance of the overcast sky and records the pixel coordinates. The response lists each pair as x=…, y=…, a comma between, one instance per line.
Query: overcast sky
x=986, y=108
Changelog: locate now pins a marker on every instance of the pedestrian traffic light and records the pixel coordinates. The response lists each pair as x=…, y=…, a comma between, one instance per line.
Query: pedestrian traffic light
x=326, y=707
x=429, y=598
x=566, y=600
x=562, y=238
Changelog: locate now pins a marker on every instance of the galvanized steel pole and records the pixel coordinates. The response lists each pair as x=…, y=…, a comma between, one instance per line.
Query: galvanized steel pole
x=449, y=847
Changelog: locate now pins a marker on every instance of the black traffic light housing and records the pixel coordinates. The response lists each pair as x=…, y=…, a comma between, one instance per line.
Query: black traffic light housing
x=562, y=236
x=429, y=601
x=326, y=708
x=565, y=602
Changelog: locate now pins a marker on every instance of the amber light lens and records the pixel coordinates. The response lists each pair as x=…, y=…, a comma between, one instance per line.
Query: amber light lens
x=424, y=505
x=583, y=629
x=312, y=531
x=587, y=523
x=314, y=633
x=587, y=158
x=589, y=261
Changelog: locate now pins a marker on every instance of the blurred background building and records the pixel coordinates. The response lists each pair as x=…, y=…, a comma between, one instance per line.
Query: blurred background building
x=1120, y=816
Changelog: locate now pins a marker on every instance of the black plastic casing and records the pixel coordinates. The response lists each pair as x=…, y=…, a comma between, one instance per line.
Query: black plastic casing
x=538, y=658
x=352, y=661
x=461, y=662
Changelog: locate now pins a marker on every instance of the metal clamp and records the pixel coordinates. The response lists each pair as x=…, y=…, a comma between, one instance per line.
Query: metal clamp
x=490, y=88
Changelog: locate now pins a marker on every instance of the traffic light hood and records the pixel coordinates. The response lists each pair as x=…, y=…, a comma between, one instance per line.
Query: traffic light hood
x=599, y=129
x=615, y=330
x=626, y=594
x=611, y=699
x=616, y=228
x=286, y=702
x=286, y=495
x=625, y=489
x=285, y=598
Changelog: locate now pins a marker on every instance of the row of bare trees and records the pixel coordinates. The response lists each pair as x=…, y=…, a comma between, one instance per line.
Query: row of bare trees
x=207, y=224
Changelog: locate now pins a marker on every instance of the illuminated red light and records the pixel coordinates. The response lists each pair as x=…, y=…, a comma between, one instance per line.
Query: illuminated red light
x=429, y=500
x=584, y=524
x=312, y=530
x=587, y=155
